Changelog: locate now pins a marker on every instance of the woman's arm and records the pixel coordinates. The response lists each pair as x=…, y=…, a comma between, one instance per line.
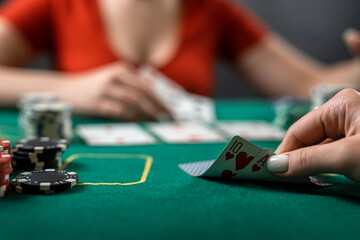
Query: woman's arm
x=112, y=91
x=277, y=69
x=15, y=52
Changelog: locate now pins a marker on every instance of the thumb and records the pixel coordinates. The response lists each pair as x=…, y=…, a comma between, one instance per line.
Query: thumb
x=303, y=162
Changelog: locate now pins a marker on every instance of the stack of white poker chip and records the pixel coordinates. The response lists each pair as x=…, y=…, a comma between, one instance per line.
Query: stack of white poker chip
x=51, y=120
x=30, y=99
x=323, y=93
x=43, y=115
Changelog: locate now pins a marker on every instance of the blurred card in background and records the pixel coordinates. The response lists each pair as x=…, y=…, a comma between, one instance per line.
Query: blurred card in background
x=185, y=132
x=114, y=134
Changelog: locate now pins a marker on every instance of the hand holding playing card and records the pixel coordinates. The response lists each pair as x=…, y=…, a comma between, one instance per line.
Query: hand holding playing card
x=115, y=91
x=240, y=160
x=325, y=140
x=182, y=105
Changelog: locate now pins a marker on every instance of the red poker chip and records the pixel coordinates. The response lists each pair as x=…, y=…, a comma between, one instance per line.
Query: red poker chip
x=5, y=167
x=5, y=146
x=5, y=158
x=6, y=171
x=3, y=176
x=4, y=162
x=4, y=190
x=4, y=183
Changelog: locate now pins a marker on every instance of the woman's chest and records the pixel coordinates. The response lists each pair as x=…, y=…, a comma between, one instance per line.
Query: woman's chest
x=89, y=36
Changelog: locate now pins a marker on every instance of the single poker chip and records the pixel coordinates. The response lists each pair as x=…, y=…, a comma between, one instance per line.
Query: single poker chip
x=32, y=163
x=4, y=177
x=19, y=189
x=40, y=145
x=4, y=190
x=5, y=166
x=4, y=182
x=36, y=157
x=5, y=146
x=29, y=166
x=42, y=157
x=5, y=159
x=4, y=185
x=47, y=180
x=33, y=159
x=7, y=170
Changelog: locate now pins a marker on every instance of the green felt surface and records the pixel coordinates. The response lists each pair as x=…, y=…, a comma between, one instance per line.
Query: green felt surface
x=171, y=204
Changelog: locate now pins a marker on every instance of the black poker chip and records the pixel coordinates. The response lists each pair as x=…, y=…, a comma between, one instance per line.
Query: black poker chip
x=26, y=159
x=34, y=160
x=19, y=189
x=46, y=180
x=41, y=145
x=41, y=157
x=28, y=166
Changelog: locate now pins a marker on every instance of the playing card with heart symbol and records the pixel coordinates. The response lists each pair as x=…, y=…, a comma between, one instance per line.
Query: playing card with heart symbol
x=240, y=160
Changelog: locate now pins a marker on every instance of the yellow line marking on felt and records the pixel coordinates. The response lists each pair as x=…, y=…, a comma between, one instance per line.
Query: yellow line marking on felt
x=148, y=162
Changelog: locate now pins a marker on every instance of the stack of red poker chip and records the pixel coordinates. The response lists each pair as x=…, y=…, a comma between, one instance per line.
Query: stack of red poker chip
x=5, y=167
x=5, y=146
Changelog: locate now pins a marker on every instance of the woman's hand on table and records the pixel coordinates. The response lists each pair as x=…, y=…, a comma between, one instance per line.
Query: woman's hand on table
x=114, y=91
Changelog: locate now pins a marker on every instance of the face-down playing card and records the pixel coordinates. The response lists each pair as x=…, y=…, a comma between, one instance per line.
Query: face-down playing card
x=240, y=160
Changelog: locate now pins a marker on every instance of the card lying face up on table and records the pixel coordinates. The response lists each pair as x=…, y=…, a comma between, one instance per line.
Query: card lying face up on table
x=241, y=160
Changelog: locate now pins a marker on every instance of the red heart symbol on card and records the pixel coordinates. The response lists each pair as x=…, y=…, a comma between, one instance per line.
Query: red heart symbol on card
x=229, y=155
x=255, y=168
x=242, y=160
x=227, y=174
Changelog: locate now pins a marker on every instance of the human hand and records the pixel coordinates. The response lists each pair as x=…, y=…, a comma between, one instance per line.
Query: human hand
x=113, y=91
x=326, y=140
x=352, y=40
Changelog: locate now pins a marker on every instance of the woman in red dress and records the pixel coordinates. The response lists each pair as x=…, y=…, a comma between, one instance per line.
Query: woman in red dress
x=98, y=44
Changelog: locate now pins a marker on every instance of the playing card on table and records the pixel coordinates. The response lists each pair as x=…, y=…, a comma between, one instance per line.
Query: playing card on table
x=185, y=132
x=240, y=160
x=184, y=106
x=252, y=130
x=114, y=134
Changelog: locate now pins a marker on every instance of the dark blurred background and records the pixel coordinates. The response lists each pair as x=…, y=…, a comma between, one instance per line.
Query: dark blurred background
x=313, y=26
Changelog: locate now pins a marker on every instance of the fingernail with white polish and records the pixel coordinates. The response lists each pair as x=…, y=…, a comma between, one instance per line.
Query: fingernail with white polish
x=278, y=163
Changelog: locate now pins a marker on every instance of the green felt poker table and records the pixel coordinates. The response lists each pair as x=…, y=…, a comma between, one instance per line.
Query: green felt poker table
x=139, y=192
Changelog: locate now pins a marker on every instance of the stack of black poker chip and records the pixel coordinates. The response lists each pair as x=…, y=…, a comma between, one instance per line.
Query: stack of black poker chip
x=37, y=154
x=44, y=182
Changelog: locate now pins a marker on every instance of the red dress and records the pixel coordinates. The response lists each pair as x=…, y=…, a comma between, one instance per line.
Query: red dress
x=74, y=31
